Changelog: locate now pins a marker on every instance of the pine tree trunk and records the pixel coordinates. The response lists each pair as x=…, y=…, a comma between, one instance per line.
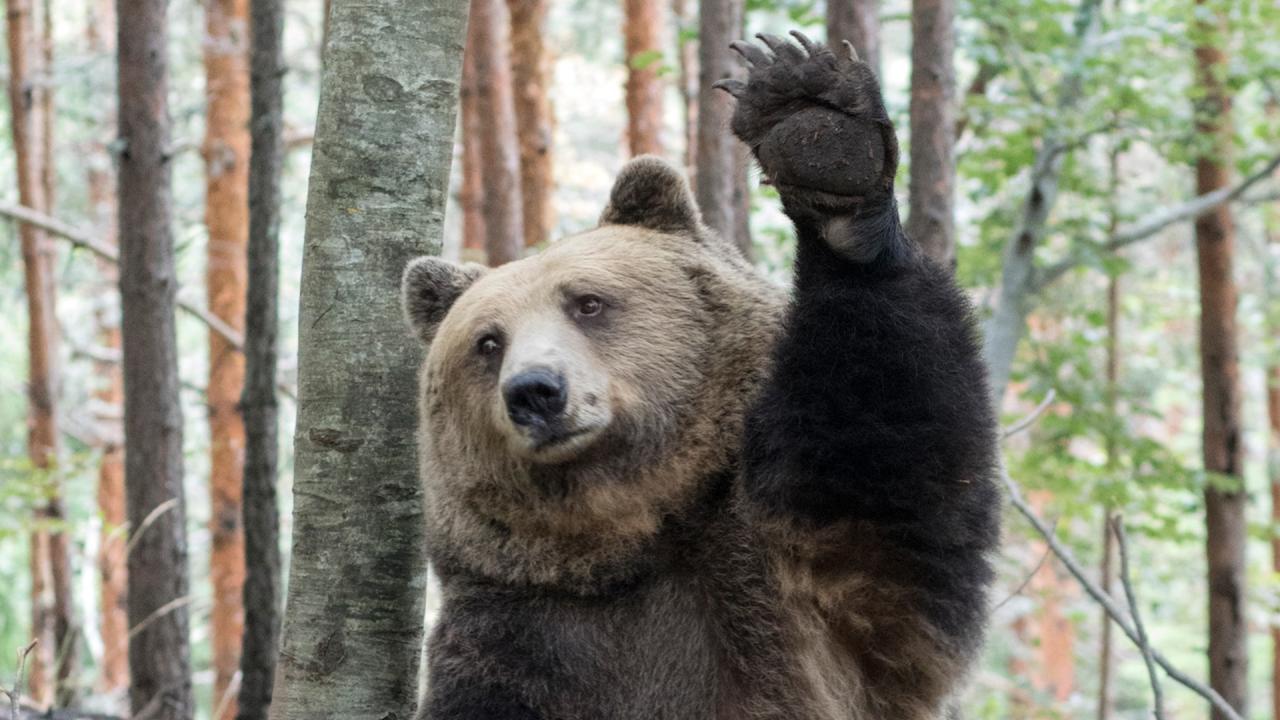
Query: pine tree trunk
x=721, y=174
x=471, y=189
x=258, y=405
x=226, y=153
x=931, y=218
x=529, y=71
x=30, y=105
x=1106, y=658
x=379, y=179
x=858, y=22
x=159, y=651
x=489, y=35
x=1220, y=374
x=643, y=43
x=113, y=624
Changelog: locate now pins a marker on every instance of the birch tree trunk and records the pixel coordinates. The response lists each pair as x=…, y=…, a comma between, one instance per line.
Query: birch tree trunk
x=379, y=179
x=258, y=405
x=721, y=173
x=931, y=220
x=226, y=156
x=534, y=122
x=1220, y=374
x=858, y=22
x=489, y=40
x=159, y=651
x=643, y=40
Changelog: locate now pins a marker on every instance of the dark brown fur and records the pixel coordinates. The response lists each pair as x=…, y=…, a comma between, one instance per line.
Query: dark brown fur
x=777, y=510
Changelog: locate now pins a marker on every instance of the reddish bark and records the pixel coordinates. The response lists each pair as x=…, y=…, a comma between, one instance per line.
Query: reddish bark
x=30, y=103
x=113, y=624
x=472, y=186
x=529, y=71
x=1273, y=436
x=226, y=152
x=643, y=34
x=488, y=35
x=1223, y=449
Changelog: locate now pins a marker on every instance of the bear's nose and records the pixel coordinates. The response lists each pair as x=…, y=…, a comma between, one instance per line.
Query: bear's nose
x=535, y=396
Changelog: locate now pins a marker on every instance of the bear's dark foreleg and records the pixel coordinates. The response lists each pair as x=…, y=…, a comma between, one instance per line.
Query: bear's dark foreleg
x=876, y=417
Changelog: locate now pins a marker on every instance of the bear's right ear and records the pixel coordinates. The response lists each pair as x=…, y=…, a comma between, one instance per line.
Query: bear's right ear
x=429, y=288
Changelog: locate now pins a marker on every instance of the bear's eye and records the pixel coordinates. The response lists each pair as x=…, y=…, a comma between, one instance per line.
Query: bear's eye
x=488, y=345
x=589, y=305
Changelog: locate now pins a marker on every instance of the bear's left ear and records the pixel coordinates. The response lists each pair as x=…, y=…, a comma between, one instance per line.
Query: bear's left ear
x=650, y=193
x=429, y=288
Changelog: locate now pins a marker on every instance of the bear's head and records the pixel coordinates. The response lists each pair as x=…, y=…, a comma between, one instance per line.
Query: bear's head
x=574, y=401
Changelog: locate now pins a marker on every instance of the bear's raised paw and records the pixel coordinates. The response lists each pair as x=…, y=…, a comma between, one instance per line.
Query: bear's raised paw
x=817, y=125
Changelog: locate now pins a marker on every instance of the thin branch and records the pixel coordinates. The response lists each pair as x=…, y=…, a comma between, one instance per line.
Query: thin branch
x=1116, y=614
x=1027, y=580
x=15, y=695
x=159, y=613
x=147, y=522
x=82, y=239
x=1144, y=642
x=1151, y=225
x=1031, y=417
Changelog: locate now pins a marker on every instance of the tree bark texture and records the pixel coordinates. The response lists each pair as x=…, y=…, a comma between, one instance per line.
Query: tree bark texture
x=30, y=103
x=534, y=121
x=226, y=155
x=1223, y=448
x=379, y=180
x=643, y=45
x=159, y=650
x=721, y=172
x=471, y=189
x=258, y=403
x=857, y=21
x=687, y=50
x=490, y=36
x=931, y=220
x=113, y=624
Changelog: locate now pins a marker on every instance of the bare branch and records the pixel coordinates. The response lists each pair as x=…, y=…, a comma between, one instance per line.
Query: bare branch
x=1114, y=611
x=15, y=695
x=1144, y=643
x=147, y=522
x=1031, y=417
x=1151, y=225
x=160, y=612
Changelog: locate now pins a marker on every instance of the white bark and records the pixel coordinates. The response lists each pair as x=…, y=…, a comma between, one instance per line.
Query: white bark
x=379, y=179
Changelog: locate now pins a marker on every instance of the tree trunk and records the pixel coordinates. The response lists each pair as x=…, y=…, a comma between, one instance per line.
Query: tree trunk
x=534, y=121
x=260, y=646
x=113, y=624
x=30, y=105
x=379, y=179
x=931, y=222
x=489, y=37
x=721, y=172
x=858, y=22
x=1220, y=373
x=226, y=154
x=687, y=50
x=159, y=650
x=643, y=43
x=1106, y=658
x=471, y=189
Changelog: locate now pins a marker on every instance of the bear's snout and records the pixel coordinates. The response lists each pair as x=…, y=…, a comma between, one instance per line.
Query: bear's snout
x=535, y=397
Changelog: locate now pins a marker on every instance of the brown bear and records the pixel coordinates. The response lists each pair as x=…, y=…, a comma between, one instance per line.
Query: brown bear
x=658, y=486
